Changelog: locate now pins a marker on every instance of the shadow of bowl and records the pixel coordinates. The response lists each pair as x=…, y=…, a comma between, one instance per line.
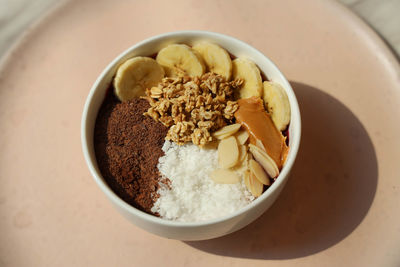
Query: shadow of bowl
x=330, y=191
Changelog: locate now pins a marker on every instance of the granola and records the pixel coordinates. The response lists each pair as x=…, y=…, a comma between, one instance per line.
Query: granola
x=193, y=107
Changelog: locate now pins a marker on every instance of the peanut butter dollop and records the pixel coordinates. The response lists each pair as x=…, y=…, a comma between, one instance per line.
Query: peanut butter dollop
x=252, y=115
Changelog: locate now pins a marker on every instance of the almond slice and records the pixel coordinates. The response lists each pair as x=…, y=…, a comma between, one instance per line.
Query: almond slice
x=256, y=188
x=220, y=137
x=260, y=144
x=242, y=152
x=222, y=176
x=242, y=164
x=228, y=152
x=265, y=161
x=259, y=172
x=211, y=145
x=246, y=179
x=240, y=167
x=227, y=131
x=242, y=137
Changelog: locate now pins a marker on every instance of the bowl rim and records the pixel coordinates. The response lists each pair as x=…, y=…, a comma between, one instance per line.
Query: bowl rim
x=157, y=220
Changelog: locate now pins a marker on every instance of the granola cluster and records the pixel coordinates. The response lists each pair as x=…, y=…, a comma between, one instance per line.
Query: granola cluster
x=193, y=107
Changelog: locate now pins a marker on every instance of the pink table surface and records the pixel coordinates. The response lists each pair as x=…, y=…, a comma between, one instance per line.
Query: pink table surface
x=340, y=207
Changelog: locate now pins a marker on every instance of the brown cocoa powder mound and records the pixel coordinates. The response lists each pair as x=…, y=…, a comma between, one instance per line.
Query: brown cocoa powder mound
x=128, y=146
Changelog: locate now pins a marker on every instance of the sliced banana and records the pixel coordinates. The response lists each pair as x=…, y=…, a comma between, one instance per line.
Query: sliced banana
x=277, y=103
x=216, y=58
x=135, y=75
x=248, y=71
x=222, y=176
x=179, y=60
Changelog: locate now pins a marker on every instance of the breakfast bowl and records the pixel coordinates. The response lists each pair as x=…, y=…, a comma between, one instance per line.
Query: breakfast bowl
x=210, y=228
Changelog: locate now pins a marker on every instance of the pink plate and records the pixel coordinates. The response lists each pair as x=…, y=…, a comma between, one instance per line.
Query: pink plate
x=341, y=206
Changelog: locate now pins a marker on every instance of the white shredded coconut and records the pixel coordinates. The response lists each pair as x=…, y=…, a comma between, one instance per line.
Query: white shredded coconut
x=193, y=196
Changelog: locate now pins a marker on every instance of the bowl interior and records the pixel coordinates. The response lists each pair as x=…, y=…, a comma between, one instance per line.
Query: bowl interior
x=150, y=47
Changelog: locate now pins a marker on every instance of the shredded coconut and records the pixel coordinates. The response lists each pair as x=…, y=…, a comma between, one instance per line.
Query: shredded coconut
x=191, y=195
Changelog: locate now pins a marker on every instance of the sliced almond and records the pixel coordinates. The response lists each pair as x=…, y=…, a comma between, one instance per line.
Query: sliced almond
x=260, y=144
x=242, y=164
x=227, y=131
x=228, y=152
x=242, y=152
x=256, y=188
x=222, y=176
x=259, y=172
x=240, y=167
x=242, y=136
x=220, y=137
x=265, y=161
x=246, y=179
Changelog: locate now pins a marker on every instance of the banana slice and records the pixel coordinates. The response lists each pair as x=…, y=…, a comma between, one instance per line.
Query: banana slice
x=216, y=58
x=249, y=72
x=179, y=60
x=277, y=103
x=135, y=75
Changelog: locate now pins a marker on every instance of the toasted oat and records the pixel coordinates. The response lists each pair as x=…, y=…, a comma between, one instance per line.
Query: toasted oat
x=193, y=107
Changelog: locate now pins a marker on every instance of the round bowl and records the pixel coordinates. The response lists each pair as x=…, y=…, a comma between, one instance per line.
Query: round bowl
x=193, y=230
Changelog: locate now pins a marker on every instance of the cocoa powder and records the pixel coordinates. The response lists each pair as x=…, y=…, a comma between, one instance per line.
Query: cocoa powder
x=128, y=146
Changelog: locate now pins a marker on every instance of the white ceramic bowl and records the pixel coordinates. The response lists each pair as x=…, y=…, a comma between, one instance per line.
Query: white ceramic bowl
x=196, y=230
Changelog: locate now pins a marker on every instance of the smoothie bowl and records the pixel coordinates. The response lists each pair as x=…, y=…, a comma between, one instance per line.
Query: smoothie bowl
x=191, y=135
